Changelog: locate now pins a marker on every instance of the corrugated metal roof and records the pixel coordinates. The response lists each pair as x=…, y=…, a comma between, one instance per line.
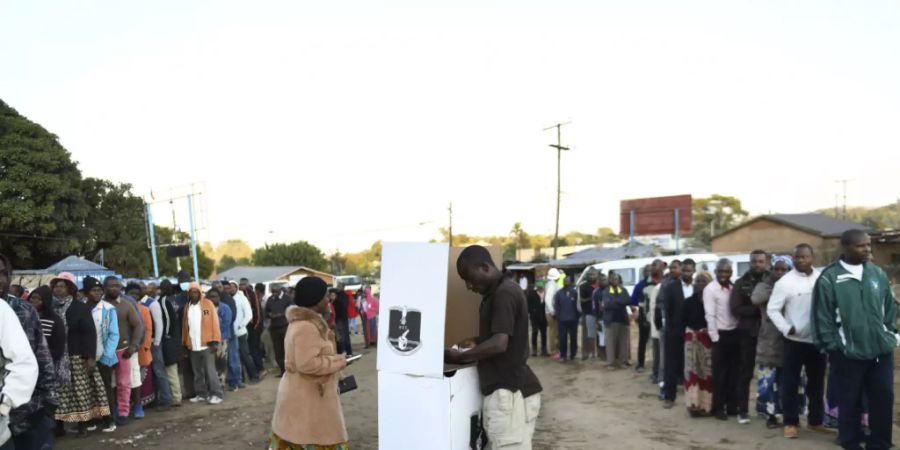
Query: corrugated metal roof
x=818, y=222
x=602, y=254
x=258, y=274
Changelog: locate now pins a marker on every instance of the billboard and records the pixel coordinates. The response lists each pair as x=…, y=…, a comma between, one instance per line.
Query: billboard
x=655, y=215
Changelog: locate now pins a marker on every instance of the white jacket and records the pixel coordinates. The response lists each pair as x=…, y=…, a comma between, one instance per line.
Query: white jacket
x=243, y=315
x=549, y=292
x=791, y=305
x=20, y=371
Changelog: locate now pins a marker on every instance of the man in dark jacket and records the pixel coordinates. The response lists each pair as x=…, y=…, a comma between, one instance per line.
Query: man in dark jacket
x=861, y=345
x=538, y=316
x=275, y=308
x=565, y=303
x=342, y=321
x=32, y=422
x=171, y=346
x=749, y=318
x=672, y=334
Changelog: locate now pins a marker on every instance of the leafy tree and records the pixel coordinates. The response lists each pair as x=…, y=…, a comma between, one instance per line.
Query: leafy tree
x=235, y=248
x=714, y=215
x=228, y=262
x=300, y=253
x=41, y=206
x=880, y=218
x=520, y=237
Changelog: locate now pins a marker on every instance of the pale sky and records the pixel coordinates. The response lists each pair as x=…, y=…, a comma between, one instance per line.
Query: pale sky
x=346, y=122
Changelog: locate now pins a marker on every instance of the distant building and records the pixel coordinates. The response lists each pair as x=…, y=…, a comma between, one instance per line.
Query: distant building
x=779, y=233
x=263, y=274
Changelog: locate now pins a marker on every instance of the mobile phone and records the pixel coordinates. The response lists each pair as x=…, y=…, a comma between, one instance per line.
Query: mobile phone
x=353, y=358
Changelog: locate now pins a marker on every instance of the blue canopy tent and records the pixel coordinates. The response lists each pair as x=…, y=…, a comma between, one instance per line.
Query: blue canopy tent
x=76, y=265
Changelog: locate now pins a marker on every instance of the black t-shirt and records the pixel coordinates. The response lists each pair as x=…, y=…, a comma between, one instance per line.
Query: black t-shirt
x=340, y=306
x=585, y=293
x=505, y=311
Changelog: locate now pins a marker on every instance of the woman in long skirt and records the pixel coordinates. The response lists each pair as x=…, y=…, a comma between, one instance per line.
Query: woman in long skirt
x=82, y=398
x=697, y=353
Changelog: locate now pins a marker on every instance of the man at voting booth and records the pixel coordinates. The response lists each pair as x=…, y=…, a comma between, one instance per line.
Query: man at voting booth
x=512, y=392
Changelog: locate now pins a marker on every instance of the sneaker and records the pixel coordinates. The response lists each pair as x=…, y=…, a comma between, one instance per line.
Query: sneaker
x=721, y=415
x=233, y=388
x=198, y=399
x=821, y=429
x=215, y=400
x=639, y=369
x=139, y=412
x=790, y=432
x=668, y=404
x=772, y=423
x=743, y=419
x=109, y=428
x=92, y=427
x=121, y=421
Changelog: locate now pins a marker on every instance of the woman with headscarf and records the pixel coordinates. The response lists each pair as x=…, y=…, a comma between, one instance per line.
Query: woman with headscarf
x=82, y=395
x=697, y=352
x=308, y=412
x=53, y=328
x=769, y=346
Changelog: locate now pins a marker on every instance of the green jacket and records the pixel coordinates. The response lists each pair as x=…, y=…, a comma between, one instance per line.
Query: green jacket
x=859, y=319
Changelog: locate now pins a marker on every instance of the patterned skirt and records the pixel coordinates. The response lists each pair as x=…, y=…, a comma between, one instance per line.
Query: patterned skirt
x=698, y=371
x=148, y=392
x=277, y=443
x=84, y=398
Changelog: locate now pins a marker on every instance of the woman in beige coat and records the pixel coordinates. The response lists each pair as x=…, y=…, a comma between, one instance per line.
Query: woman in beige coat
x=308, y=413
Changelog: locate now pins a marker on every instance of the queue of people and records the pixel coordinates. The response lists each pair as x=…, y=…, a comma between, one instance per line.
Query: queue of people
x=819, y=342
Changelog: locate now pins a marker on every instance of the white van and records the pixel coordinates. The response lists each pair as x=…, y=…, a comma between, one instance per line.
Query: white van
x=630, y=269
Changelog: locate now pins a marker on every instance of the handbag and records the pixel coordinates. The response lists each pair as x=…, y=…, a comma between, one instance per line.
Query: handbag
x=347, y=384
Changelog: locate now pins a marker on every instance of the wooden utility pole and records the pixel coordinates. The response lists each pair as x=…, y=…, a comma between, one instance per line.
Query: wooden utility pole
x=559, y=149
x=450, y=229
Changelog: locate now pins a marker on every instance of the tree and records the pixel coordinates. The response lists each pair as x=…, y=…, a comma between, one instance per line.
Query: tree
x=234, y=248
x=228, y=262
x=41, y=207
x=115, y=225
x=607, y=235
x=300, y=253
x=714, y=215
x=520, y=237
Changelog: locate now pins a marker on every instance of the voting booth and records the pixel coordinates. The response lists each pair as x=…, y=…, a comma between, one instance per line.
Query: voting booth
x=425, y=308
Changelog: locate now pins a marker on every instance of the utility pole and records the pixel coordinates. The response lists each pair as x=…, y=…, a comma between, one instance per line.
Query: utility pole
x=450, y=229
x=559, y=149
x=844, y=182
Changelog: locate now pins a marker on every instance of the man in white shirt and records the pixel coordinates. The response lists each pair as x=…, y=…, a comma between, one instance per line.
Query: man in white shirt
x=789, y=309
x=242, y=319
x=726, y=355
x=550, y=289
x=18, y=368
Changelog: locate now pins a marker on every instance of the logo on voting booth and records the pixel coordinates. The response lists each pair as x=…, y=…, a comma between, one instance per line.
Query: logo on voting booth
x=405, y=330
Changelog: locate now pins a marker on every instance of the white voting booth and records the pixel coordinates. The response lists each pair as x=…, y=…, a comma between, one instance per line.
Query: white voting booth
x=424, y=309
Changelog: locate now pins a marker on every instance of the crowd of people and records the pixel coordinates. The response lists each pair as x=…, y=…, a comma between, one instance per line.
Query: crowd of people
x=89, y=359
x=819, y=341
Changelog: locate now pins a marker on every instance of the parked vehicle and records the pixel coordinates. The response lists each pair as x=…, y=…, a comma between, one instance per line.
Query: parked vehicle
x=630, y=269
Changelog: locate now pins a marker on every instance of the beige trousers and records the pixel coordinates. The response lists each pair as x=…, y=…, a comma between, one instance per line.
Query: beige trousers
x=509, y=419
x=174, y=382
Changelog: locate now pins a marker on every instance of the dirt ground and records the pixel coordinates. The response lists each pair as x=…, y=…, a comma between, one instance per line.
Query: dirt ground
x=584, y=407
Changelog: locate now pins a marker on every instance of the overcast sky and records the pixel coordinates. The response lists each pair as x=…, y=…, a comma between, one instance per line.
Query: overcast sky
x=346, y=122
